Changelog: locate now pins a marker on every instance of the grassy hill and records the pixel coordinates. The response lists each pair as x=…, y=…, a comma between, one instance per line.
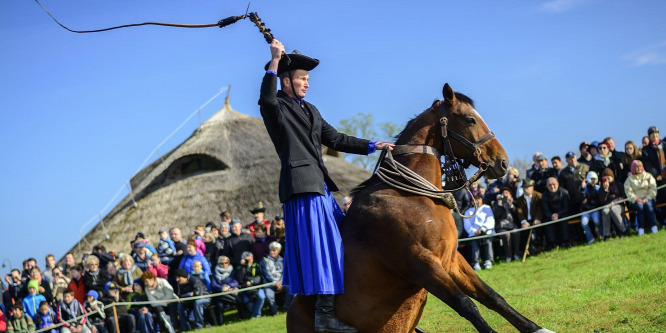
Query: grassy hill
x=615, y=286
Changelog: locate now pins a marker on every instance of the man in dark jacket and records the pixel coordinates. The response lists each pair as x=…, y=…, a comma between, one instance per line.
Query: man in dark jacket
x=189, y=286
x=248, y=275
x=237, y=243
x=556, y=206
x=529, y=212
x=654, y=160
x=571, y=179
x=541, y=175
x=298, y=130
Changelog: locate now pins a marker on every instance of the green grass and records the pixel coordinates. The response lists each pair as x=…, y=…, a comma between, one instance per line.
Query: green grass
x=615, y=286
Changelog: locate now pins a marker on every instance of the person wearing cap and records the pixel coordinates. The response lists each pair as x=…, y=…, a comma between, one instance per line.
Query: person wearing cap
x=189, y=286
x=32, y=300
x=95, y=306
x=654, y=160
x=542, y=173
x=141, y=255
x=571, y=179
x=596, y=163
x=529, y=212
x=590, y=193
x=258, y=214
x=141, y=237
x=297, y=129
x=237, y=243
x=126, y=321
x=585, y=156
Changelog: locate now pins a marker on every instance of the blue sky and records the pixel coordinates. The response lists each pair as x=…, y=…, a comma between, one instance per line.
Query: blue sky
x=80, y=112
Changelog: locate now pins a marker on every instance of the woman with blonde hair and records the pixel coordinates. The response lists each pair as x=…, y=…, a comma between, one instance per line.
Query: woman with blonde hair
x=641, y=190
x=126, y=275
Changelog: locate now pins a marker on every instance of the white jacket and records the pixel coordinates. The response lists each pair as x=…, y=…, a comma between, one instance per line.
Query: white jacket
x=642, y=186
x=483, y=219
x=162, y=292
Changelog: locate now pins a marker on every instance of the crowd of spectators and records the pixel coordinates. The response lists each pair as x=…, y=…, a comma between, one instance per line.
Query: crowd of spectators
x=230, y=257
x=217, y=257
x=592, y=183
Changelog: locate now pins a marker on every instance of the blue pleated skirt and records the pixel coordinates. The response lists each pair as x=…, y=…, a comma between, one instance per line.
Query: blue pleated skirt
x=313, y=257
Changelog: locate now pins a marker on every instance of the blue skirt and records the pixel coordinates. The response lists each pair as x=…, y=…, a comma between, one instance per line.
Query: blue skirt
x=313, y=257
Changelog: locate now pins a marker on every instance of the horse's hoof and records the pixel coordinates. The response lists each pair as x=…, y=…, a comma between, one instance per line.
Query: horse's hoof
x=543, y=330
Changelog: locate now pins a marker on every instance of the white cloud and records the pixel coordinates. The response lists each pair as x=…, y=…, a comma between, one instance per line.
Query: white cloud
x=650, y=55
x=560, y=6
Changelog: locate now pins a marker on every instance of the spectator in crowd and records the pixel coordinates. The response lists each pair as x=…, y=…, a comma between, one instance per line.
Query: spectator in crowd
x=126, y=321
x=14, y=288
x=166, y=249
x=483, y=223
x=585, y=156
x=211, y=248
x=3, y=321
x=156, y=266
x=111, y=270
x=189, y=286
x=77, y=284
x=69, y=263
x=610, y=194
x=534, y=167
x=67, y=312
x=177, y=238
x=223, y=279
x=27, y=267
x=192, y=255
x=258, y=214
x=45, y=317
x=631, y=153
x=249, y=274
x=346, y=204
x=198, y=272
x=556, y=206
x=140, y=237
x=541, y=175
x=591, y=201
x=654, y=161
x=33, y=299
x=503, y=212
x=141, y=256
x=142, y=312
x=641, y=190
x=96, y=321
x=271, y=267
x=225, y=217
x=218, y=243
x=43, y=286
x=556, y=161
x=238, y=242
x=93, y=279
x=48, y=270
x=60, y=283
x=609, y=160
x=126, y=275
x=596, y=164
x=197, y=238
x=158, y=289
x=529, y=211
x=618, y=156
x=645, y=141
x=19, y=322
x=261, y=241
x=463, y=200
x=571, y=179
x=513, y=182
x=277, y=230
x=105, y=258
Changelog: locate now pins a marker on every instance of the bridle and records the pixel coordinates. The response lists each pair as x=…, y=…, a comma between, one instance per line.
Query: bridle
x=453, y=169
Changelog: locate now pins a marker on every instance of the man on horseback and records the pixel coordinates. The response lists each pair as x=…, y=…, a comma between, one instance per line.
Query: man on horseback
x=313, y=263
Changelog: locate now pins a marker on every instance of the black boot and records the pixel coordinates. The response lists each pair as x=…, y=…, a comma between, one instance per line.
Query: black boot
x=325, y=319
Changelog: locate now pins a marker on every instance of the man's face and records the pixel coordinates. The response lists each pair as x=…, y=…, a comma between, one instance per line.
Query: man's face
x=258, y=216
x=654, y=137
x=35, y=275
x=69, y=259
x=543, y=164
x=224, y=230
x=176, y=235
x=347, y=203
x=16, y=276
x=299, y=82
x=258, y=233
x=31, y=264
x=572, y=161
x=50, y=262
x=181, y=280
x=646, y=141
x=528, y=190
x=236, y=229
x=552, y=185
x=611, y=143
x=583, y=151
x=68, y=298
x=557, y=164
x=215, y=232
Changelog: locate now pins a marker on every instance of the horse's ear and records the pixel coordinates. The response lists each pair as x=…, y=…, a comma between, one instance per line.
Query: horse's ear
x=448, y=94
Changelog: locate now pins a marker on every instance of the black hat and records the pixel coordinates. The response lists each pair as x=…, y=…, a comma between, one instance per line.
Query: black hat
x=259, y=209
x=181, y=273
x=140, y=235
x=653, y=129
x=295, y=60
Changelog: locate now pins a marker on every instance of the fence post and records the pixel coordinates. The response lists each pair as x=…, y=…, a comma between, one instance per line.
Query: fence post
x=115, y=316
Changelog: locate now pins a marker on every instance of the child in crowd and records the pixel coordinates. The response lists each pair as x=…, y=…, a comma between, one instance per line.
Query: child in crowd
x=198, y=272
x=157, y=267
x=3, y=321
x=67, y=312
x=32, y=301
x=142, y=312
x=45, y=318
x=92, y=304
x=19, y=323
x=166, y=248
x=125, y=320
x=76, y=284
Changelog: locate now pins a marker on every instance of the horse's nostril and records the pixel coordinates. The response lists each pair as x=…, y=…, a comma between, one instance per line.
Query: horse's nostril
x=504, y=165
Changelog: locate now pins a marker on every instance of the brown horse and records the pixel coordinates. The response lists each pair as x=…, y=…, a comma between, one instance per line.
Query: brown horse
x=399, y=246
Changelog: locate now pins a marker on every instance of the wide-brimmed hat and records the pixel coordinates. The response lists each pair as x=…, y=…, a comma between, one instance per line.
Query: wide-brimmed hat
x=259, y=209
x=295, y=60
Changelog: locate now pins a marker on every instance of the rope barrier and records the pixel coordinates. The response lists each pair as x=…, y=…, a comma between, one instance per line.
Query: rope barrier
x=173, y=300
x=544, y=224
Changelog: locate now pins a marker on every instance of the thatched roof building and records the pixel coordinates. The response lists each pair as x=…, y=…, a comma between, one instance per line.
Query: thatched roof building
x=228, y=163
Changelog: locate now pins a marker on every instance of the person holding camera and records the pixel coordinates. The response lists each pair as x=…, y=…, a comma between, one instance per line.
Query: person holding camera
x=483, y=223
x=503, y=211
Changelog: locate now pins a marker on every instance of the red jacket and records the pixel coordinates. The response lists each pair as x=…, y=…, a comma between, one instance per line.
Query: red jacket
x=3, y=322
x=79, y=290
x=160, y=271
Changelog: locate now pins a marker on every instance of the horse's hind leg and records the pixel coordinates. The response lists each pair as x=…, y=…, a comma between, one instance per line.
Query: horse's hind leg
x=438, y=282
x=472, y=285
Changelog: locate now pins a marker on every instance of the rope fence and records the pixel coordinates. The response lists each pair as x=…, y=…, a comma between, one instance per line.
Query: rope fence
x=544, y=224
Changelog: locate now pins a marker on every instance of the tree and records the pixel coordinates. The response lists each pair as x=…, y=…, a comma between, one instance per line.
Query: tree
x=362, y=126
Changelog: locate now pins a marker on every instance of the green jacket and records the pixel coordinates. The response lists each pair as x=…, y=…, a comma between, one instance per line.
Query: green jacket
x=20, y=325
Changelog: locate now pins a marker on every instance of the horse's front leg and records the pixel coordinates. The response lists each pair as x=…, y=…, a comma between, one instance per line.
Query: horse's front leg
x=428, y=273
x=471, y=284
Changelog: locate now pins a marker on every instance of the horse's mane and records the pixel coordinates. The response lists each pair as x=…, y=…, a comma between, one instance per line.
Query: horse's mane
x=460, y=96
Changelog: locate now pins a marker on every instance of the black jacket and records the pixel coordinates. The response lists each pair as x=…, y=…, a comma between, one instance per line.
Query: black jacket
x=557, y=202
x=651, y=160
x=298, y=137
x=193, y=285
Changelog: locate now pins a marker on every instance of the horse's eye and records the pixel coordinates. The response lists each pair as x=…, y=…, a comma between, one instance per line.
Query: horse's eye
x=470, y=120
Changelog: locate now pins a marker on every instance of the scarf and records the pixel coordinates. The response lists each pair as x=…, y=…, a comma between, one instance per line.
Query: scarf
x=660, y=154
x=606, y=158
x=126, y=275
x=222, y=273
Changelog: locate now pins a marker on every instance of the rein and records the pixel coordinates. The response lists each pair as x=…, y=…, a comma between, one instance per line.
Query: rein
x=402, y=178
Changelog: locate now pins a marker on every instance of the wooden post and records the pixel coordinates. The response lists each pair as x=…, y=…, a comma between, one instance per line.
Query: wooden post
x=115, y=316
x=527, y=245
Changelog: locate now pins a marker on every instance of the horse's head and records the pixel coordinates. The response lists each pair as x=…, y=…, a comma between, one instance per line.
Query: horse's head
x=465, y=124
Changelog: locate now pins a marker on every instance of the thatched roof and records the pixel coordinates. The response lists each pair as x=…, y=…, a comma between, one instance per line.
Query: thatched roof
x=228, y=163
